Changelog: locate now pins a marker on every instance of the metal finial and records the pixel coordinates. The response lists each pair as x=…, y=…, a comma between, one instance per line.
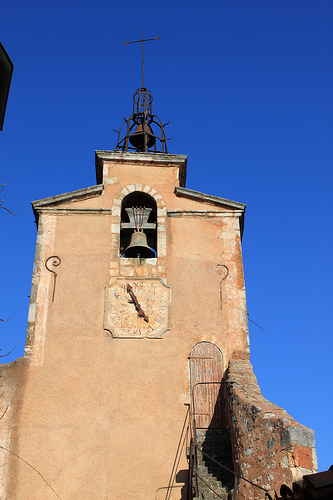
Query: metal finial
x=143, y=40
x=137, y=132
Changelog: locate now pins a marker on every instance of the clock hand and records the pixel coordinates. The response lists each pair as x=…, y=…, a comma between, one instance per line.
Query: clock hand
x=133, y=297
x=136, y=303
x=141, y=313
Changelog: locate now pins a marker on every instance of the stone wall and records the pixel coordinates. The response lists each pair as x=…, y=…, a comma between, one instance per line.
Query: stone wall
x=269, y=447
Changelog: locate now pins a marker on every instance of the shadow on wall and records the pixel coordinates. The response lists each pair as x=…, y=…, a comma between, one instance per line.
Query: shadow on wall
x=177, y=476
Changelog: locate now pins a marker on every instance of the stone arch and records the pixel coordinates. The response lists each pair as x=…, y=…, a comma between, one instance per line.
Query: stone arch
x=116, y=217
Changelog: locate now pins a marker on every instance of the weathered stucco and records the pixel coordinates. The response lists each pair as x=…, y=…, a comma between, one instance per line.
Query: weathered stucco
x=102, y=417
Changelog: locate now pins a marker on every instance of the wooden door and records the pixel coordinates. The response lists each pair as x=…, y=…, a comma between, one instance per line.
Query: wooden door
x=206, y=372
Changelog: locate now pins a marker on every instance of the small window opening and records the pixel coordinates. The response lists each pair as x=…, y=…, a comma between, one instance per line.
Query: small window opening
x=138, y=230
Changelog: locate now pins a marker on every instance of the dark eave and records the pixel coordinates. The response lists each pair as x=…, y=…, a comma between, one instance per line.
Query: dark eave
x=6, y=71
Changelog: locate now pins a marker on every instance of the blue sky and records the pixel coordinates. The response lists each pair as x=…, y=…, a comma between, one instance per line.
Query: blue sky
x=247, y=87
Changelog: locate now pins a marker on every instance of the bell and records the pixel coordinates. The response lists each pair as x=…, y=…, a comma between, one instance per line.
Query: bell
x=137, y=138
x=139, y=246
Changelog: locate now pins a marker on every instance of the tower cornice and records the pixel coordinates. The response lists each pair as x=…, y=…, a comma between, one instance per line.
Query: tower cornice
x=141, y=159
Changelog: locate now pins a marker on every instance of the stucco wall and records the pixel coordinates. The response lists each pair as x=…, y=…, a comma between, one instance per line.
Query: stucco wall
x=102, y=417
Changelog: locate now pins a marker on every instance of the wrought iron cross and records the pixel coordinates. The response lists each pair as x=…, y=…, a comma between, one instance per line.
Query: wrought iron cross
x=143, y=40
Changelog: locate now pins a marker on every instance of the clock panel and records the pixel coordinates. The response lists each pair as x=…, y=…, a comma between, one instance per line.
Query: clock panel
x=137, y=308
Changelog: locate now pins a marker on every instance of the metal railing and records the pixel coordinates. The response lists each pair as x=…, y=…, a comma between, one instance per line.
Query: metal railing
x=193, y=449
x=193, y=455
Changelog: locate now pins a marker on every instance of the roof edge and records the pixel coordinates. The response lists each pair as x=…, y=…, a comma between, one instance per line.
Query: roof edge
x=198, y=196
x=215, y=200
x=6, y=70
x=140, y=157
x=71, y=196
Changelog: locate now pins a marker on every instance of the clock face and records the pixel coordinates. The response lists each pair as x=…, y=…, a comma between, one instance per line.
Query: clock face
x=137, y=308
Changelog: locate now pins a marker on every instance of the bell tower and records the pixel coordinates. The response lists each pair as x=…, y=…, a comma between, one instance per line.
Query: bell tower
x=136, y=381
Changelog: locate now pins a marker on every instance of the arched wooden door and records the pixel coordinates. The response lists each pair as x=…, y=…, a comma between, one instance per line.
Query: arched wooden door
x=206, y=372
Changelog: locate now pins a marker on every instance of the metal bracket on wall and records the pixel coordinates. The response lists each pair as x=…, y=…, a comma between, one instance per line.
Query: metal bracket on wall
x=222, y=271
x=56, y=262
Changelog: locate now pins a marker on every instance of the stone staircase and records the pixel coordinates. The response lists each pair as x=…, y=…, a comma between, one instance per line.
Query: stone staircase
x=216, y=443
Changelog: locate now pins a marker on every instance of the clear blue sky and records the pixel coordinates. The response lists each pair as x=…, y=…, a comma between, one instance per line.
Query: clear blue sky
x=247, y=87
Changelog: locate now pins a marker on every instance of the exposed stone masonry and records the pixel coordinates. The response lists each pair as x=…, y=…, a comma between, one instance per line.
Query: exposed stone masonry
x=269, y=447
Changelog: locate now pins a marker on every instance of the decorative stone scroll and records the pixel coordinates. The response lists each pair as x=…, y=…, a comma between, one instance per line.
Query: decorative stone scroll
x=56, y=261
x=222, y=271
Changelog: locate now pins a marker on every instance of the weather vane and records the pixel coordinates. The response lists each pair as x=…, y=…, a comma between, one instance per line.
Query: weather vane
x=143, y=40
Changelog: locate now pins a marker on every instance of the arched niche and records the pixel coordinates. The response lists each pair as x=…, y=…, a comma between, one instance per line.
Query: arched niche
x=138, y=213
